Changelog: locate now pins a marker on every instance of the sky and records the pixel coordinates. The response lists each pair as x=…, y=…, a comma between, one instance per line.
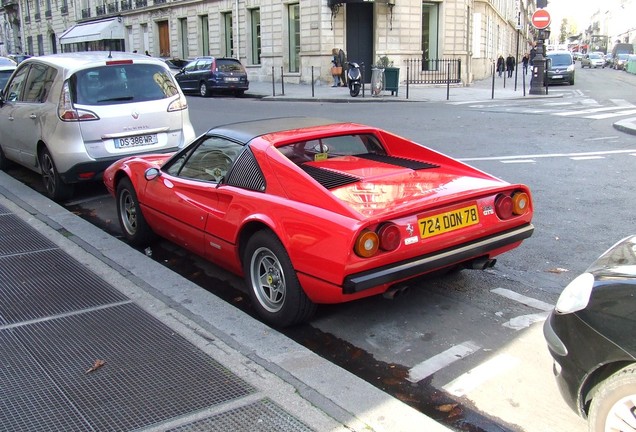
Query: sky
x=576, y=11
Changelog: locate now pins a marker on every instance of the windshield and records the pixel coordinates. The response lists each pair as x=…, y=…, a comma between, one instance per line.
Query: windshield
x=561, y=59
x=595, y=56
x=332, y=147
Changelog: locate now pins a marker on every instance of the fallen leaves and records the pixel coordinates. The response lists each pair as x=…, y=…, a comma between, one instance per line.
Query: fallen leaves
x=96, y=365
x=557, y=270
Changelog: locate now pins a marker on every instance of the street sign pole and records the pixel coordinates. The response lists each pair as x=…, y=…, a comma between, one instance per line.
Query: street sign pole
x=540, y=20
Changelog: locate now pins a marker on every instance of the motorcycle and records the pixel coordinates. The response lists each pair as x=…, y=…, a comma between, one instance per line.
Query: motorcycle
x=354, y=78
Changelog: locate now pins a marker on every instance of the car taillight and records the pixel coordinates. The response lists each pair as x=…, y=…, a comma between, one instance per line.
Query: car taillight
x=367, y=244
x=503, y=206
x=520, y=202
x=389, y=235
x=67, y=112
x=118, y=62
x=178, y=104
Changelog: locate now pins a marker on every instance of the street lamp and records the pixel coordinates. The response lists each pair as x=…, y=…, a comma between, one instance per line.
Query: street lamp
x=537, y=82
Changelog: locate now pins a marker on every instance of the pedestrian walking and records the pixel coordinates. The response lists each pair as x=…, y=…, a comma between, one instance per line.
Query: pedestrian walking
x=342, y=58
x=510, y=65
x=336, y=67
x=533, y=54
x=524, y=61
x=501, y=64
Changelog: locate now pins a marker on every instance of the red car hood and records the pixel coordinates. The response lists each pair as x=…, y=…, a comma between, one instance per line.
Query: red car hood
x=386, y=188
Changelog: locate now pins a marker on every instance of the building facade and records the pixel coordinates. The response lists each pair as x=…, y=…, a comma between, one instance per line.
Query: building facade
x=292, y=38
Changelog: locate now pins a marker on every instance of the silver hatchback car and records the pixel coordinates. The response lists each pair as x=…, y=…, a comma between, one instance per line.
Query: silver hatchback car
x=69, y=116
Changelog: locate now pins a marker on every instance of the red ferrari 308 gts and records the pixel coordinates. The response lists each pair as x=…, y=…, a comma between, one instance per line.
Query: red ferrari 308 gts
x=313, y=211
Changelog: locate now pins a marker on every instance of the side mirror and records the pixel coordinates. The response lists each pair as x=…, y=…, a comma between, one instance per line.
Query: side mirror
x=152, y=173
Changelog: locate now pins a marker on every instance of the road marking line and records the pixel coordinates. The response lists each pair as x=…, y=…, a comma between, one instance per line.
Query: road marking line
x=547, y=155
x=609, y=115
x=528, y=301
x=578, y=158
x=525, y=321
x=518, y=161
x=622, y=103
x=479, y=375
x=585, y=111
x=428, y=367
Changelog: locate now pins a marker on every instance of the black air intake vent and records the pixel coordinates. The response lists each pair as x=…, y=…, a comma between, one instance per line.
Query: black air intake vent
x=399, y=161
x=246, y=173
x=329, y=179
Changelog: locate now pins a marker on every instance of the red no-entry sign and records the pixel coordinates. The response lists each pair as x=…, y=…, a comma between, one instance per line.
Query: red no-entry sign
x=540, y=19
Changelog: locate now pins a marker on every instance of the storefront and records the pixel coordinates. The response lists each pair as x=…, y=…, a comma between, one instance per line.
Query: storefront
x=102, y=35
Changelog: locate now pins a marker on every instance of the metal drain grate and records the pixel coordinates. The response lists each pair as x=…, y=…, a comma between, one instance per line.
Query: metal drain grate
x=40, y=284
x=4, y=210
x=261, y=416
x=16, y=236
x=151, y=374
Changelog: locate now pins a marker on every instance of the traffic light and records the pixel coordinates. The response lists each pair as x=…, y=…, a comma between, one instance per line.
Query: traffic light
x=542, y=4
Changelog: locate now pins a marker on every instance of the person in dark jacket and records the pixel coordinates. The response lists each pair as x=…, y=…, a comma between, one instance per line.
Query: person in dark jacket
x=501, y=65
x=510, y=65
x=524, y=61
x=342, y=58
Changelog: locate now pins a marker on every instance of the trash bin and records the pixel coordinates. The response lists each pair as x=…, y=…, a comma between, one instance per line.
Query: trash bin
x=392, y=79
x=377, y=81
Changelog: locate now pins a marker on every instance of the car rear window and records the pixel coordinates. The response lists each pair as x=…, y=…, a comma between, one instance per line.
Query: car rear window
x=123, y=83
x=330, y=147
x=224, y=65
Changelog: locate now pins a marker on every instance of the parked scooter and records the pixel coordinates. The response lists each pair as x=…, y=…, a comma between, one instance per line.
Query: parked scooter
x=354, y=78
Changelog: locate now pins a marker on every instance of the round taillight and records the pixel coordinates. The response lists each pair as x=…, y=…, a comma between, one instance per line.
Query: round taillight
x=520, y=202
x=389, y=237
x=367, y=244
x=503, y=206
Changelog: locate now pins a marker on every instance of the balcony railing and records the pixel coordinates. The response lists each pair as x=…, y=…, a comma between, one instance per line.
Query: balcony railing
x=111, y=8
x=86, y=13
x=141, y=3
x=64, y=10
x=36, y=16
x=100, y=10
x=27, y=19
x=47, y=13
x=159, y=1
x=125, y=5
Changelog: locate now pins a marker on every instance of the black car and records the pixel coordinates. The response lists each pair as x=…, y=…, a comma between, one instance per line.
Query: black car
x=207, y=74
x=590, y=335
x=560, y=67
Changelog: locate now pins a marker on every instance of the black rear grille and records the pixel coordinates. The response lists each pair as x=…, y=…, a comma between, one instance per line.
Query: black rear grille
x=246, y=173
x=329, y=179
x=399, y=161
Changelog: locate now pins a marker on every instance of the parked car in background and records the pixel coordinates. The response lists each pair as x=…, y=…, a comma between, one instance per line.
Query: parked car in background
x=590, y=336
x=69, y=116
x=620, y=61
x=593, y=60
x=205, y=75
x=560, y=67
x=19, y=58
x=176, y=64
x=6, y=61
x=5, y=73
x=608, y=59
x=314, y=211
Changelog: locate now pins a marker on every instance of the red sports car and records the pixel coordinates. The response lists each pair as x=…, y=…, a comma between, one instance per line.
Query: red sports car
x=313, y=211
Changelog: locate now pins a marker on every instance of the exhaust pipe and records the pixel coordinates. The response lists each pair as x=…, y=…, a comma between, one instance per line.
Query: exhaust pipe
x=482, y=263
x=393, y=292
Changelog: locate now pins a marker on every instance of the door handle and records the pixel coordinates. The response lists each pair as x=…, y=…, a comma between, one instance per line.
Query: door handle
x=32, y=116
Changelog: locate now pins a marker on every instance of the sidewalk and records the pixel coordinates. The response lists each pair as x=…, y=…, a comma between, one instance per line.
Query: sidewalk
x=97, y=336
x=478, y=91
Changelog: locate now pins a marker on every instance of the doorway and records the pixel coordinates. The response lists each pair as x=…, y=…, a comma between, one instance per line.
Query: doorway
x=360, y=35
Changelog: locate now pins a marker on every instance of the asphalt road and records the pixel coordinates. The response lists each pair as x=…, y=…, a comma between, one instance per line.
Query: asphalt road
x=466, y=347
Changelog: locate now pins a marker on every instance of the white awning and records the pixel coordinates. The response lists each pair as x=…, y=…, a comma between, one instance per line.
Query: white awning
x=111, y=28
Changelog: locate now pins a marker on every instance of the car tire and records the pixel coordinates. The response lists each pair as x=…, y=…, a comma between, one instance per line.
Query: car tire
x=272, y=282
x=239, y=93
x=614, y=399
x=203, y=89
x=131, y=220
x=54, y=186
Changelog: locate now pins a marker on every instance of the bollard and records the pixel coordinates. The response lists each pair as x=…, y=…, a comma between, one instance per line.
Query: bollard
x=282, y=82
x=273, y=83
x=362, y=70
x=312, y=81
x=448, y=81
x=407, y=80
x=493, y=80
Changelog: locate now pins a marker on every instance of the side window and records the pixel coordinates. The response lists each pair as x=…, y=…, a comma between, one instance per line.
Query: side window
x=211, y=160
x=38, y=83
x=190, y=67
x=13, y=90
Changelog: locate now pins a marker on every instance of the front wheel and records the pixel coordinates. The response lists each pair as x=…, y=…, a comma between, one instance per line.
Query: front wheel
x=203, y=90
x=354, y=89
x=272, y=282
x=613, y=406
x=54, y=186
x=131, y=220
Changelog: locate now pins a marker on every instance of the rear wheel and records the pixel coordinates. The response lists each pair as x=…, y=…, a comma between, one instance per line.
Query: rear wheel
x=131, y=220
x=239, y=93
x=354, y=90
x=203, y=89
x=272, y=282
x=54, y=186
x=613, y=405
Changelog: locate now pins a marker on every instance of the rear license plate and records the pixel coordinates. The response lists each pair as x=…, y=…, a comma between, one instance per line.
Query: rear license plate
x=231, y=79
x=557, y=76
x=136, y=141
x=448, y=221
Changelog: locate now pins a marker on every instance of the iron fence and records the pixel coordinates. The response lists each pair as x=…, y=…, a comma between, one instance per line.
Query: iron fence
x=433, y=71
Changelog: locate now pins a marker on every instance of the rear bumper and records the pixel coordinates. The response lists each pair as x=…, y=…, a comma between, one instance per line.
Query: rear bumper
x=440, y=259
